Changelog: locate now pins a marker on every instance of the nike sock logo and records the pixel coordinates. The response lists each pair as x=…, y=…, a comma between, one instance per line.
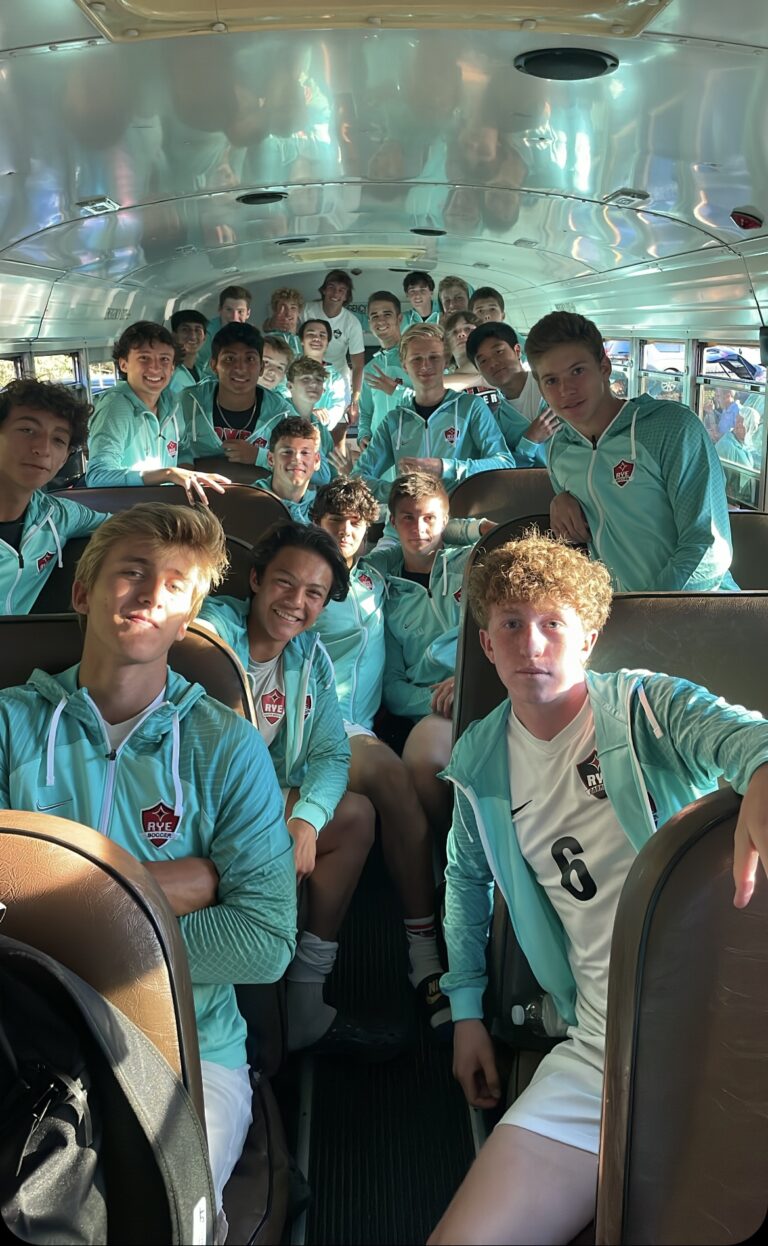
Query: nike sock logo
x=520, y=807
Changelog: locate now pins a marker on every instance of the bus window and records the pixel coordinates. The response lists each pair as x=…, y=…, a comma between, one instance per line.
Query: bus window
x=663, y=370
x=619, y=353
x=101, y=376
x=733, y=363
x=60, y=368
x=734, y=420
x=9, y=371
x=666, y=388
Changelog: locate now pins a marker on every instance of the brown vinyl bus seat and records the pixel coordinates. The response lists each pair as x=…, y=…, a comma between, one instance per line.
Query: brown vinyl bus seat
x=684, y=1139
x=244, y=512
x=749, y=530
x=238, y=473
x=506, y=493
x=256, y=1196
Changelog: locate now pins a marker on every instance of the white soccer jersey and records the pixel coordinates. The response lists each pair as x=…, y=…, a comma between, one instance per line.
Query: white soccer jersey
x=268, y=688
x=571, y=838
x=347, y=335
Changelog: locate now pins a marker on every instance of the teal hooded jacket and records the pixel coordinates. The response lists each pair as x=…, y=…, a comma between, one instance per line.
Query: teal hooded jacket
x=49, y=522
x=374, y=404
x=353, y=633
x=514, y=426
x=462, y=433
x=655, y=735
x=192, y=779
x=125, y=438
x=311, y=751
x=421, y=627
x=651, y=487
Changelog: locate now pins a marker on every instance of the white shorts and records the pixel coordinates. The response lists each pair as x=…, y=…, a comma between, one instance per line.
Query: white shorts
x=564, y=1098
x=353, y=729
x=227, y=1097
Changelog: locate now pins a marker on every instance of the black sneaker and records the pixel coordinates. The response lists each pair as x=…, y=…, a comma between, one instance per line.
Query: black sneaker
x=435, y=1007
x=348, y=1036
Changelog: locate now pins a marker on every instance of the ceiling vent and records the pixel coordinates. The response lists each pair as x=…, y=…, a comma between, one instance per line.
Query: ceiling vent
x=626, y=197
x=426, y=231
x=97, y=206
x=348, y=255
x=566, y=64
x=528, y=244
x=129, y=20
x=262, y=197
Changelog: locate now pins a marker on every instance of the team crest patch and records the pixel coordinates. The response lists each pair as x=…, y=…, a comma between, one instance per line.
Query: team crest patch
x=622, y=473
x=457, y=595
x=45, y=559
x=308, y=706
x=173, y=447
x=273, y=705
x=451, y=434
x=261, y=442
x=159, y=823
x=365, y=580
x=592, y=776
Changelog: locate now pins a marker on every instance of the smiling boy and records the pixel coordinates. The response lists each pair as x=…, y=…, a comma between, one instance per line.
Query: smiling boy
x=294, y=457
x=124, y=744
x=137, y=430
x=556, y=791
x=638, y=480
x=40, y=425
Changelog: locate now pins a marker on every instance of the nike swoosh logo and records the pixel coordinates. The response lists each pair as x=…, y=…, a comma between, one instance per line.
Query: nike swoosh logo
x=521, y=807
x=47, y=808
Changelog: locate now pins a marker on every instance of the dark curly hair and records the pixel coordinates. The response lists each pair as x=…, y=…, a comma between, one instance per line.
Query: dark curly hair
x=47, y=396
x=345, y=496
x=286, y=533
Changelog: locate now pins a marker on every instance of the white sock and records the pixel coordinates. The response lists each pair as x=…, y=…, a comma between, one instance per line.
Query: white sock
x=422, y=948
x=308, y=1014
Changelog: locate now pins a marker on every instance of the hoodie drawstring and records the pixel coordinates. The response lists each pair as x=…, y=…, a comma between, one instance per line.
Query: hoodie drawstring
x=50, y=752
x=657, y=731
x=399, y=430
x=633, y=448
x=445, y=572
x=54, y=530
x=178, y=795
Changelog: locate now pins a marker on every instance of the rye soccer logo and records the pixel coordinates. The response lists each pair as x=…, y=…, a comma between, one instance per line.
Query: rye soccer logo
x=365, y=580
x=159, y=824
x=451, y=435
x=273, y=705
x=622, y=473
x=592, y=776
x=44, y=559
x=173, y=447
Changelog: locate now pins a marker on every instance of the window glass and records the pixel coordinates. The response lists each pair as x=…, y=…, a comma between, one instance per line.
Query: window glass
x=663, y=356
x=8, y=371
x=59, y=368
x=101, y=376
x=665, y=388
x=734, y=419
x=619, y=354
x=734, y=363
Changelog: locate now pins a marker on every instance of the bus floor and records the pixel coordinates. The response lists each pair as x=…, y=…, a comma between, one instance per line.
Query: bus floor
x=388, y=1143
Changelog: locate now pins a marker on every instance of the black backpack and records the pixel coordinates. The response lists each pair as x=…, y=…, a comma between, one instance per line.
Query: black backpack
x=99, y=1140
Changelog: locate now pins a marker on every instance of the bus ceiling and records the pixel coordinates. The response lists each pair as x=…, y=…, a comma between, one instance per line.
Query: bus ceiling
x=142, y=171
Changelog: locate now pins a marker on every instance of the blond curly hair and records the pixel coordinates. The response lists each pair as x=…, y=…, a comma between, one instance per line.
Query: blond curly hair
x=536, y=569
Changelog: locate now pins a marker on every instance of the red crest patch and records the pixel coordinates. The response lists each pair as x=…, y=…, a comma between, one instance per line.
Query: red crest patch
x=173, y=447
x=46, y=558
x=365, y=580
x=622, y=472
x=260, y=441
x=457, y=594
x=273, y=705
x=308, y=706
x=159, y=823
x=451, y=435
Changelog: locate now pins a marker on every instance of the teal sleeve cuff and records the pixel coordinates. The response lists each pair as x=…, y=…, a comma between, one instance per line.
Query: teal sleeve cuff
x=466, y=1001
x=310, y=812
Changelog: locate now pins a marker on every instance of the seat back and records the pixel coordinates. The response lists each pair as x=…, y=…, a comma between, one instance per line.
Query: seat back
x=54, y=643
x=684, y=1137
x=238, y=473
x=749, y=531
x=503, y=494
x=79, y=897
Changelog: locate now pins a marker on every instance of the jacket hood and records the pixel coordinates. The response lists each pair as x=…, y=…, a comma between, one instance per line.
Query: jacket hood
x=389, y=561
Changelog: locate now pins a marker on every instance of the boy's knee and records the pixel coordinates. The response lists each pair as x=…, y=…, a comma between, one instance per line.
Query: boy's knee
x=356, y=820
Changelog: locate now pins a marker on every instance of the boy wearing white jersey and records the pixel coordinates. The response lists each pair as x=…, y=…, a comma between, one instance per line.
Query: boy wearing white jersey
x=548, y=804
x=346, y=331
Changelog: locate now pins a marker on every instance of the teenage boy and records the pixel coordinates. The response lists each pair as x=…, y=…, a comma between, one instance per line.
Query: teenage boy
x=296, y=571
x=229, y=412
x=40, y=425
x=419, y=289
x=638, y=480
x=286, y=307
x=525, y=421
x=648, y=744
x=306, y=383
x=138, y=428
x=184, y=784
x=346, y=331
x=315, y=336
x=294, y=459
x=188, y=330
x=449, y=435
x=276, y=357
x=453, y=295
x=353, y=633
x=421, y=616
x=234, y=308
x=487, y=304
x=384, y=379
